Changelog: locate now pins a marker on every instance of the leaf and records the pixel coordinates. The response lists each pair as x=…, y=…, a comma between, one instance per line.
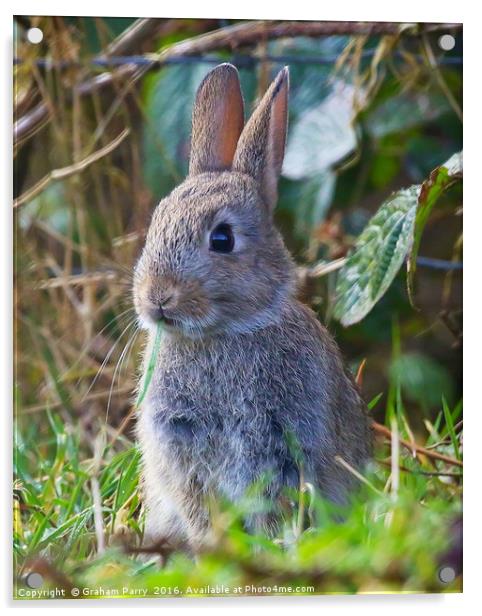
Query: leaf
x=309, y=82
x=150, y=366
x=440, y=179
x=374, y=401
x=315, y=197
x=451, y=428
x=56, y=379
x=382, y=247
x=168, y=97
x=403, y=112
x=378, y=255
x=323, y=135
x=422, y=379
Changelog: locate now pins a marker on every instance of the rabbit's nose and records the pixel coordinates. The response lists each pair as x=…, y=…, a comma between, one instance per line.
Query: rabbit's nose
x=156, y=313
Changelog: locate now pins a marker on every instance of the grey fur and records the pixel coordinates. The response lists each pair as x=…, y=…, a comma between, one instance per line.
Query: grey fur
x=244, y=368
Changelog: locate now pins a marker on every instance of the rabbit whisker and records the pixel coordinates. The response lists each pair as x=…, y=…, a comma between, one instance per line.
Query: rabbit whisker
x=118, y=367
x=107, y=357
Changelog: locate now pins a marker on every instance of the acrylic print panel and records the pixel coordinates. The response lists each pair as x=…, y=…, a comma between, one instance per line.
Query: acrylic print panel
x=238, y=266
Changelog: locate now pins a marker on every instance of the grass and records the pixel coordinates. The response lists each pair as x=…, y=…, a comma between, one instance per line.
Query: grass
x=77, y=502
x=151, y=364
x=394, y=537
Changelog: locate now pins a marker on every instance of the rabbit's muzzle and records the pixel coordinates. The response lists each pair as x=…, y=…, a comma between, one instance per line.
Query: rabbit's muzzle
x=174, y=303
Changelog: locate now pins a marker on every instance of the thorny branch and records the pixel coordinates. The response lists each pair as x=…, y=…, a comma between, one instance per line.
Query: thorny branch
x=139, y=32
x=64, y=172
x=231, y=37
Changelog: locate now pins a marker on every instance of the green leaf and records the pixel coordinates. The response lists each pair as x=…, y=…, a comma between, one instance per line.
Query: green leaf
x=315, y=198
x=374, y=401
x=451, y=429
x=57, y=383
x=166, y=140
x=404, y=111
x=422, y=379
x=378, y=255
x=384, y=169
x=391, y=234
x=322, y=136
x=150, y=366
x=440, y=179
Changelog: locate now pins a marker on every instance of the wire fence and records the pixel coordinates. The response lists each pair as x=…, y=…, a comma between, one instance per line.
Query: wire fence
x=240, y=60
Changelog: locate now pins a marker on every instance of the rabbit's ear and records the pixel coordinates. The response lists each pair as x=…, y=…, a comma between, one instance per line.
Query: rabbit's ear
x=261, y=146
x=217, y=120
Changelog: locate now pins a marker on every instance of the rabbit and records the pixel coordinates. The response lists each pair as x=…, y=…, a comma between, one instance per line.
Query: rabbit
x=244, y=368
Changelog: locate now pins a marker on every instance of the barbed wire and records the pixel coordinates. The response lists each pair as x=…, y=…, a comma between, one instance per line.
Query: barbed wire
x=440, y=264
x=240, y=60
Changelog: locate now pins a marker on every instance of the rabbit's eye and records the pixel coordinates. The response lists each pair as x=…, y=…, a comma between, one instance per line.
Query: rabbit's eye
x=222, y=239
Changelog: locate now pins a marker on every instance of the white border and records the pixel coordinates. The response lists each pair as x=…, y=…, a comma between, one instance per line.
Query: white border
x=349, y=10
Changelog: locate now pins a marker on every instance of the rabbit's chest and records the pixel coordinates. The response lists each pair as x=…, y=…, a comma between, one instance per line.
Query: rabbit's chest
x=206, y=411
x=214, y=417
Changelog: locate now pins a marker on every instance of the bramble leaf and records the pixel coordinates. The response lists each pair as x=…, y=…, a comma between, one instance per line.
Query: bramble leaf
x=393, y=232
x=378, y=254
x=440, y=179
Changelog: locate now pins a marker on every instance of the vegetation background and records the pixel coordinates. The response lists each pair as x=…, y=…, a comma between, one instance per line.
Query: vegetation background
x=101, y=132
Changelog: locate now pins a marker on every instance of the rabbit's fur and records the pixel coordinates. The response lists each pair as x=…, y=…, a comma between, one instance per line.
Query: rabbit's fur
x=244, y=369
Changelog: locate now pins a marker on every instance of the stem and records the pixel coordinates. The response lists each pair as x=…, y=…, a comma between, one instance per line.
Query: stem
x=383, y=430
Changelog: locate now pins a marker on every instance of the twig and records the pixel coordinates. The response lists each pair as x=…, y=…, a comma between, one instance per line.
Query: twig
x=323, y=268
x=243, y=60
x=134, y=236
x=125, y=422
x=78, y=279
x=439, y=77
x=232, y=37
x=395, y=447
x=74, y=300
x=250, y=33
x=356, y=473
x=136, y=34
x=447, y=439
x=417, y=472
x=162, y=547
x=383, y=430
x=65, y=172
x=441, y=264
x=31, y=122
x=360, y=371
x=89, y=398
x=28, y=124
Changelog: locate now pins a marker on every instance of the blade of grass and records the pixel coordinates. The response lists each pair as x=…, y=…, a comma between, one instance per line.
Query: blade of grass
x=150, y=366
x=374, y=401
x=450, y=427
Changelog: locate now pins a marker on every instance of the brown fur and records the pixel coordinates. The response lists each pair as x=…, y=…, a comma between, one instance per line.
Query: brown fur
x=244, y=368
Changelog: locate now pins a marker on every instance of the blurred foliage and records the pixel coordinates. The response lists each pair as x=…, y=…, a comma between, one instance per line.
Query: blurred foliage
x=422, y=380
x=395, y=533
x=370, y=117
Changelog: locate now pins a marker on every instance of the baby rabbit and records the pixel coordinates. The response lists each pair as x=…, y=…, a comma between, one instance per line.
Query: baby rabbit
x=244, y=369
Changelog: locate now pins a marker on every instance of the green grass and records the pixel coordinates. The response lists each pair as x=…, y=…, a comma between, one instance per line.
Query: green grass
x=77, y=501
x=392, y=537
